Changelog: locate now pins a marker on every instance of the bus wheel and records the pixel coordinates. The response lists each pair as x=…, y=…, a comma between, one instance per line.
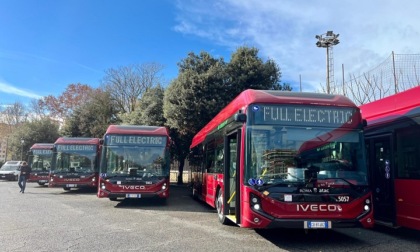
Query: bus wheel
x=41, y=183
x=113, y=199
x=194, y=194
x=219, y=208
x=66, y=188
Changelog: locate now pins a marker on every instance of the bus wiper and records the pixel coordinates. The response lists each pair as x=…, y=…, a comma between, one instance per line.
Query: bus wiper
x=283, y=183
x=108, y=176
x=281, y=175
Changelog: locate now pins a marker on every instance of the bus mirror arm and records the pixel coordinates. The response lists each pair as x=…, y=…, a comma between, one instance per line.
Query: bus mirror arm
x=364, y=123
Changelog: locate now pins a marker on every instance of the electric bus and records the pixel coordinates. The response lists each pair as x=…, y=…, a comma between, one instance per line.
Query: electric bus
x=135, y=163
x=393, y=151
x=278, y=159
x=75, y=163
x=40, y=159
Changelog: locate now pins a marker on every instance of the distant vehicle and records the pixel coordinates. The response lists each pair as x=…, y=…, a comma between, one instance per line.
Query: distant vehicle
x=10, y=170
x=40, y=159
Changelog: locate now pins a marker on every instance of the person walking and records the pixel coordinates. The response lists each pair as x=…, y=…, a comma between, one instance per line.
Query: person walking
x=25, y=171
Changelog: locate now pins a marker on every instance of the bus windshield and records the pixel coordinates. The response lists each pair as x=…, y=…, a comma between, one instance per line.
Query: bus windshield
x=41, y=162
x=138, y=161
x=283, y=154
x=76, y=161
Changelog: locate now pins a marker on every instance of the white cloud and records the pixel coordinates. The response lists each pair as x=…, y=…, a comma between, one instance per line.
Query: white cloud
x=285, y=31
x=9, y=89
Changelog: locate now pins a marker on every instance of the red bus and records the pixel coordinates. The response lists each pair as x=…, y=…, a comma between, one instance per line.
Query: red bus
x=135, y=162
x=75, y=163
x=393, y=144
x=40, y=159
x=277, y=159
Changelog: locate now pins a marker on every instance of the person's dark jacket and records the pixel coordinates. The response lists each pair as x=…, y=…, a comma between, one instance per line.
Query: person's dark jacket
x=25, y=170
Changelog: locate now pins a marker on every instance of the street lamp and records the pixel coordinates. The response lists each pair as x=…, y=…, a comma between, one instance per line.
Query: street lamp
x=22, y=141
x=328, y=40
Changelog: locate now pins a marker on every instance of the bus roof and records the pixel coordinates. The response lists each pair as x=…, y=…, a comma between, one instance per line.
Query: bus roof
x=77, y=140
x=137, y=130
x=392, y=107
x=251, y=96
x=42, y=146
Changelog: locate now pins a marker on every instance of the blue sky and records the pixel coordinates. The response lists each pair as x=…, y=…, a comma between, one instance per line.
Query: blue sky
x=45, y=45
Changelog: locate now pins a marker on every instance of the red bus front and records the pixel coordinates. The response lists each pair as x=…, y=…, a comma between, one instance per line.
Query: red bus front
x=40, y=160
x=75, y=163
x=135, y=163
x=119, y=188
x=73, y=179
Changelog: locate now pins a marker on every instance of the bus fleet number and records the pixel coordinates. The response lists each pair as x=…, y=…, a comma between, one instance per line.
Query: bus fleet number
x=343, y=198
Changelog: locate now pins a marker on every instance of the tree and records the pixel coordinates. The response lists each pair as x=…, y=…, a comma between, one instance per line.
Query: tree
x=205, y=85
x=14, y=115
x=62, y=106
x=149, y=109
x=248, y=71
x=36, y=131
x=127, y=84
x=92, y=118
x=192, y=99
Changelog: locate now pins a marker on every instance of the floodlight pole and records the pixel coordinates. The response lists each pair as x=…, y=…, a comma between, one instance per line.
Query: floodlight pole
x=327, y=40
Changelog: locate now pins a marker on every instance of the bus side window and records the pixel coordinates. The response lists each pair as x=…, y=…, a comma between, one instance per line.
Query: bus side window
x=209, y=162
x=210, y=157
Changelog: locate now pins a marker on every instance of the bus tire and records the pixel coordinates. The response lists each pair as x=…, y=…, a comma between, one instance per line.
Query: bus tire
x=113, y=199
x=219, y=208
x=41, y=183
x=66, y=188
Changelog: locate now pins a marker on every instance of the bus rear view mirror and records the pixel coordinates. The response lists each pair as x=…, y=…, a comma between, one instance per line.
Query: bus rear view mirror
x=240, y=117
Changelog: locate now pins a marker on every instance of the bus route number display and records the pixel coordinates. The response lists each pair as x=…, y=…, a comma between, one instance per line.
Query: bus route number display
x=303, y=115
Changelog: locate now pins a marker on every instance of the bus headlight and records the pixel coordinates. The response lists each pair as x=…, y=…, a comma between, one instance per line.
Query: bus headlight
x=164, y=186
x=367, y=206
x=93, y=179
x=255, y=202
x=257, y=207
x=102, y=186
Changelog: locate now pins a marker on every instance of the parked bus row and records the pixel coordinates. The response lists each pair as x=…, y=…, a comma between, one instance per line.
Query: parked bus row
x=269, y=159
x=129, y=162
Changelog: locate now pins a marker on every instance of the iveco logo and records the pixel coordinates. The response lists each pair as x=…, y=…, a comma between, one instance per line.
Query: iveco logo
x=319, y=208
x=137, y=187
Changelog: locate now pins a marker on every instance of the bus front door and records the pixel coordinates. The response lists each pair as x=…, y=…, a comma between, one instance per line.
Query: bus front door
x=382, y=177
x=231, y=190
